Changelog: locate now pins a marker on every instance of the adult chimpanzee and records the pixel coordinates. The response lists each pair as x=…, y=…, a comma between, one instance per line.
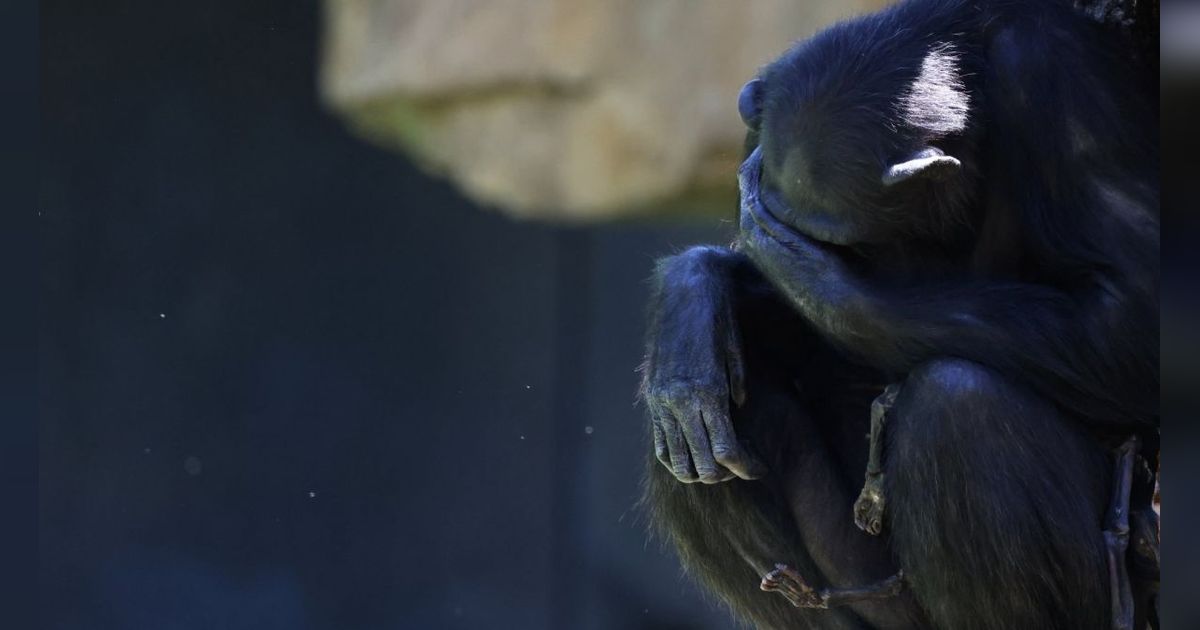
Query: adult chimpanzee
x=958, y=199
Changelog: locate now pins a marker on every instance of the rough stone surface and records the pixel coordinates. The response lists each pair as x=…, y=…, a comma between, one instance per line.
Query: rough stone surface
x=566, y=109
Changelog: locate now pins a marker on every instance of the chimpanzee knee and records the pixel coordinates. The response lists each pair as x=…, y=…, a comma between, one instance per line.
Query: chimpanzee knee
x=944, y=402
x=995, y=502
x=702, y=263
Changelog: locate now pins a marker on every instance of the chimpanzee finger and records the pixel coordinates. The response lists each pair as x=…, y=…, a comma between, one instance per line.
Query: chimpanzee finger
x=692, y=421
x=726, y=449
x=659, y=418
x=677, y=449
x=660, y=447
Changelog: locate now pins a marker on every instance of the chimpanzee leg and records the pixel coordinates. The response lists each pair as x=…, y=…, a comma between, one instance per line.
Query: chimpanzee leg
x=995, y=503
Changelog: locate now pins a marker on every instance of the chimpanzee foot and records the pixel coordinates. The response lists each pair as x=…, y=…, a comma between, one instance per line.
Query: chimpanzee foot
x=868, y=509
x=788, y=582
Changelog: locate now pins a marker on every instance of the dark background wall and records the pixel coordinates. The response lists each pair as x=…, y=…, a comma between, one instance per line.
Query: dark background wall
x=290, y=382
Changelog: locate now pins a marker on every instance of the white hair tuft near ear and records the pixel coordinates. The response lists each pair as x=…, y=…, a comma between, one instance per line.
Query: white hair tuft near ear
x=937, y=100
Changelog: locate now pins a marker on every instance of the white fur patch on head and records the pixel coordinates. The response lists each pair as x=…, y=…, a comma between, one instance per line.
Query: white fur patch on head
x=937, y=101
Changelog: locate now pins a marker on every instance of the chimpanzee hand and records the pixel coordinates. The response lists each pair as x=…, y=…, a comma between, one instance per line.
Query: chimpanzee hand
x=809, y=275
x=695, y=370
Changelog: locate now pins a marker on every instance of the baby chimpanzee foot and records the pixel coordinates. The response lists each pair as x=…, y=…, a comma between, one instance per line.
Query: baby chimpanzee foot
x=868, y=509
x=788, y=582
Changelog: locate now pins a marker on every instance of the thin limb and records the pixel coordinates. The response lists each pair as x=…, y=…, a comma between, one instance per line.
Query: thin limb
x=787, y=582
x=868, y=509
x=1116, y=536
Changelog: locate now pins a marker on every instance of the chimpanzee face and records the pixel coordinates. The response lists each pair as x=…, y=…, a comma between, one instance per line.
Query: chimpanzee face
x=850, y=163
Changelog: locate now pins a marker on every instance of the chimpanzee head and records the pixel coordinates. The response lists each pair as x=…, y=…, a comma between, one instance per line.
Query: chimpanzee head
x=862, y=144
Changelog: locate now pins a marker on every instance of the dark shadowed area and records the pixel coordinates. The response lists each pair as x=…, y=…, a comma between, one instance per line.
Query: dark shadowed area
x=290, y=382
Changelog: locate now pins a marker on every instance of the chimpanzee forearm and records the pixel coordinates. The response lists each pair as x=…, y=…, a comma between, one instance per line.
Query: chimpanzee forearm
x=694, y=366
x=710, y=297
x=1086, y=350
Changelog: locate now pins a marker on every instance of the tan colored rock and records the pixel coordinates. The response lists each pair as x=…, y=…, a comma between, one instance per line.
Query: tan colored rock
x=572, y=109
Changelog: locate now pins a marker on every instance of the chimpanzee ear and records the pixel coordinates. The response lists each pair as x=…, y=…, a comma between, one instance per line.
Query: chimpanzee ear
x=750, y=103
x=929, y=163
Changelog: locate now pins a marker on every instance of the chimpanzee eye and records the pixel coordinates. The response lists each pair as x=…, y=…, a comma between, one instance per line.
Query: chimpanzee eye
x=750, y=104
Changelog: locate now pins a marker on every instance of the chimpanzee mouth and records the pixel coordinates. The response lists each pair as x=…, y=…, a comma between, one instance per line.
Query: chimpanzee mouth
x=768, y=210
x=750, y=190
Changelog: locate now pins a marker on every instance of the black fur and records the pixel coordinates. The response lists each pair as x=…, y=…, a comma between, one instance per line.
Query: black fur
x=1013, y=293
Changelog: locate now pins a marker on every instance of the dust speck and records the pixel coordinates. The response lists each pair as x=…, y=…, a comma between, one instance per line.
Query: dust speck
x=192, y=465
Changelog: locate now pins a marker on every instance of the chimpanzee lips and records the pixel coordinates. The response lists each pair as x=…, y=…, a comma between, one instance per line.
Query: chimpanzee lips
x=752, y=206
x=771, y=212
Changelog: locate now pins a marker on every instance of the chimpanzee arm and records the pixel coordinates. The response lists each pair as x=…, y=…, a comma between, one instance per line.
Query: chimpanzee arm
x=1094, y=350
x=695, y=366
x=711, y=312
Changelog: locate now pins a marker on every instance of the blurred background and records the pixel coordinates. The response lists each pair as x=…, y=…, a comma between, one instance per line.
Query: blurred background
x=342, y=303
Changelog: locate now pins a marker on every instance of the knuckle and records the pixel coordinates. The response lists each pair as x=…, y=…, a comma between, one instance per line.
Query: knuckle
x=726, y=454
x=656, y=402
x=704, y=468
x=683, y=472
x=681, y=391
x=711, y=476
x=675, y=391
x=713, y=394
x=657, y=397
